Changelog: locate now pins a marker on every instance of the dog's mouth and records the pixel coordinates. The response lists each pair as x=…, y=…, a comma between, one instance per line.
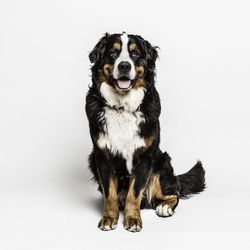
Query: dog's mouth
x=124, y=83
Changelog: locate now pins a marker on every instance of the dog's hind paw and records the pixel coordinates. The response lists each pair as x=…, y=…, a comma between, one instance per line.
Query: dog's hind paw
x=164, y=210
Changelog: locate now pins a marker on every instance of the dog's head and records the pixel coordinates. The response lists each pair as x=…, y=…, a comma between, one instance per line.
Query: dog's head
x=123, y=61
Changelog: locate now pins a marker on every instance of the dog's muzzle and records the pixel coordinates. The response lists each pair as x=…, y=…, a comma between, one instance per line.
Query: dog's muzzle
x=124, y=80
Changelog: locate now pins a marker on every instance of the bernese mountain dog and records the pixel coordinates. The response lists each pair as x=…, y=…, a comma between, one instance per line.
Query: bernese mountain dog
x=123, y=109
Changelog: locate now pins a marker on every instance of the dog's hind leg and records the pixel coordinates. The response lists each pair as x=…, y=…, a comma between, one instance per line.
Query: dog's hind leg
x=162, y=195
x=165, y=201
x=163, y=188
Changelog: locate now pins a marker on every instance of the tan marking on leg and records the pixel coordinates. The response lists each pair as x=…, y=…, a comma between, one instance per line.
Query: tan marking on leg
x=132, y=220
x=156, y=191
x=168, y=202
x=155, y=187
x=111, y=210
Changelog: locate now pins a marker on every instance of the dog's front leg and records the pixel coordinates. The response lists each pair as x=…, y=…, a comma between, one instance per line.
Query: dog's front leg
x=109, y=183
x=111, y=210
x=138, y=182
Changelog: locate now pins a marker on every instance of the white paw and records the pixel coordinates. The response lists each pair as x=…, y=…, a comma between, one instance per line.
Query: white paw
x=163, y=210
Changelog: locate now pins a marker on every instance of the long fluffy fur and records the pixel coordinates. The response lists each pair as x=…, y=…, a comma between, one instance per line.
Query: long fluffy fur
x=104, y=163
x=192, y=182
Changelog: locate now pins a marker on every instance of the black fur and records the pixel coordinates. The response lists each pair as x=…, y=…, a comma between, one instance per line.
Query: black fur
x=192, y=182
x=102, y=164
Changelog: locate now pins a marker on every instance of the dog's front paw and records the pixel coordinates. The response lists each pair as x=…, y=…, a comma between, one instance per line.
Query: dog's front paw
x=133, y=224
x=107, y=223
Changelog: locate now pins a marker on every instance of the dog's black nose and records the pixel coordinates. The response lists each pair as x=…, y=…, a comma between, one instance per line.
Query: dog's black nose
x=124, y=67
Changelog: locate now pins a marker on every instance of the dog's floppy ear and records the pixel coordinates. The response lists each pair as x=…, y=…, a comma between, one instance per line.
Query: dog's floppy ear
x=97, y=53
x=151, y=53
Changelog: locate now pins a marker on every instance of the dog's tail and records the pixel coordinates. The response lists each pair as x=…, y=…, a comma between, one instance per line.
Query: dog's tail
x=192, y=182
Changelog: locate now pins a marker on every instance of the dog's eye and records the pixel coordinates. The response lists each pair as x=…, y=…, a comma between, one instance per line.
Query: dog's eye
x=114, y=54
x=134, y=54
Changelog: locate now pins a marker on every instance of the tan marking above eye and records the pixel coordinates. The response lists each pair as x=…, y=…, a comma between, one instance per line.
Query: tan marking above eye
x=132, y=46
x=117, y=46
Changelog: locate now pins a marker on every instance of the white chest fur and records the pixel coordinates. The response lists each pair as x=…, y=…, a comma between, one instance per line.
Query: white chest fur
x=122, y=126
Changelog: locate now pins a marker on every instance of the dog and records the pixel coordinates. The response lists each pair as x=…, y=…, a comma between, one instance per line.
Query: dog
x=123, y=109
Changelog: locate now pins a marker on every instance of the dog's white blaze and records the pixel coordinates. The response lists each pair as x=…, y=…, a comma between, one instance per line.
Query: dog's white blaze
x=122, y=126
x=124, y=56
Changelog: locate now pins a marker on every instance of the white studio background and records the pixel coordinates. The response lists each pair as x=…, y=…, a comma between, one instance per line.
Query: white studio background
x=203, y=76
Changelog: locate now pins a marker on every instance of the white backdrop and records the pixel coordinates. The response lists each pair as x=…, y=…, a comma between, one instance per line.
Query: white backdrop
x=46, y=198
